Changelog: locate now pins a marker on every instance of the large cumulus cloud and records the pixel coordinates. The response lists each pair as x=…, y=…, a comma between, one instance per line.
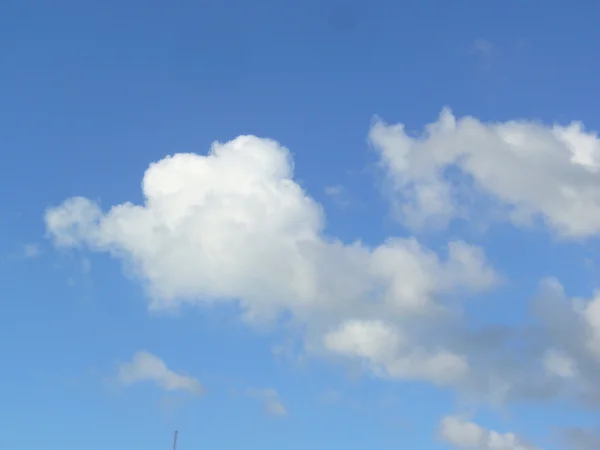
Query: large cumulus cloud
x=233, y=225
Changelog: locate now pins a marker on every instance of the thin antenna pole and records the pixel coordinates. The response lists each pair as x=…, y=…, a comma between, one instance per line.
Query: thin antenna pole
x=175, y=441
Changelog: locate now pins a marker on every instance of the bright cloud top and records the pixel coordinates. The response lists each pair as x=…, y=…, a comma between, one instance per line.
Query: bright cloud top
x=528, y=169
x=392, y=355
x=235, y=225
x=464, y=435
x=146, y=367
x=573, y=335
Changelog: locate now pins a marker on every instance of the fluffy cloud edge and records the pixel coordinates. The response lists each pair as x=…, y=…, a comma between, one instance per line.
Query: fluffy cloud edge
x=234, y=225
x=518, y=170
x=208, y=219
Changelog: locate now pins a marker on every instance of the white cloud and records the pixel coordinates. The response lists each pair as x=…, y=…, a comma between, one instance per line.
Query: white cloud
x=590, y=312
x=146, y=367
x=235, y=226
x=392, y=355
x=572, y=331
x=527, y=169
x=559, y=364
x=271, y=401
x=555, y=355
x=465, y=435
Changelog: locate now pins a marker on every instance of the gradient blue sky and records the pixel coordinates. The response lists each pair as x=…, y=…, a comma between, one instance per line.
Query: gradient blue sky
x=93, y=92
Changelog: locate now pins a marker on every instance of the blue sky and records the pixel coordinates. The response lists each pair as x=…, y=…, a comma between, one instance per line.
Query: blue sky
x=334, y=281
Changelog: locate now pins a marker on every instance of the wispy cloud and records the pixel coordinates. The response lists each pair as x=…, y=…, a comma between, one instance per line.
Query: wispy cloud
x=146, y=367
x=461, y=434
x=270, y=399
x=330, y=396
x=335, y=190
x=31, y=251
x=484, y=51
x=339, y=194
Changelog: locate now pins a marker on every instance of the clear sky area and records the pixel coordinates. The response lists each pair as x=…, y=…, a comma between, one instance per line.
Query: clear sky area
x=299, y=225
